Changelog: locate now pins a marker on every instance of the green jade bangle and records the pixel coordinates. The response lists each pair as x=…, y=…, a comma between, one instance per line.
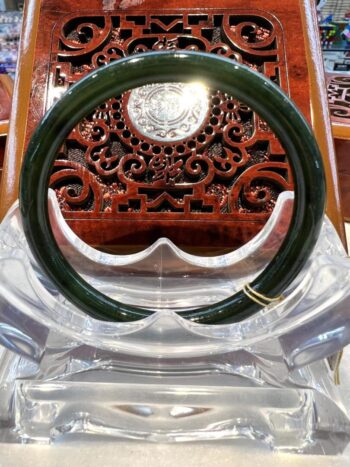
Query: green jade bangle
x=255, y=90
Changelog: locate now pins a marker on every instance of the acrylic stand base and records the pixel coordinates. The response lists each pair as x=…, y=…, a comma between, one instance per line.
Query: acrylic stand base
x=266, y=381
x=208, y=405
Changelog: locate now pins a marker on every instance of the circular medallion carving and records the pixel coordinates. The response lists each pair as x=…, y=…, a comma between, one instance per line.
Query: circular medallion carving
x=169, y=111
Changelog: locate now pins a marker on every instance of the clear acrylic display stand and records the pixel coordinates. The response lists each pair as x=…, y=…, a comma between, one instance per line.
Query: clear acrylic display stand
x=165, y=379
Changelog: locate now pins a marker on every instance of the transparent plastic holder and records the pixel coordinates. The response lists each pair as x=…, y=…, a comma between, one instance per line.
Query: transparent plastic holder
x=164, y=378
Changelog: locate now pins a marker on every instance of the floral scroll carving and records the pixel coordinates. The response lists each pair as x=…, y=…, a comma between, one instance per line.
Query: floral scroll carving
x=231, y=167
x=339, y=97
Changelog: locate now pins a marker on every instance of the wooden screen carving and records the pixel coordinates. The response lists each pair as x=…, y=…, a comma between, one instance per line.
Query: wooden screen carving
x=338, y=88
x=5, y=103
x=339, y=98
x=231, y=168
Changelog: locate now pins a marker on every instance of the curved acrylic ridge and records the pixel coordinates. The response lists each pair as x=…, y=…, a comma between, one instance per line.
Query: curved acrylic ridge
x=163, y=276
x=277, y=225
x=322, y=290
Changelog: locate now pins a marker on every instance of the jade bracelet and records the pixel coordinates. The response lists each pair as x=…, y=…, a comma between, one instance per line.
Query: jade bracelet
x=237, y=80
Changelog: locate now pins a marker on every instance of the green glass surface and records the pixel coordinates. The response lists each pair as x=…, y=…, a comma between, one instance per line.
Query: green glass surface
x=255, y=90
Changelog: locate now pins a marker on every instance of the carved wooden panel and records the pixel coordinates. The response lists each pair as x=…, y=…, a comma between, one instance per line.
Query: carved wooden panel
x=338, y=88
x=134, y=210
x=342, y=147
x=5, y=99
x=6, y=86
x=117, y=165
